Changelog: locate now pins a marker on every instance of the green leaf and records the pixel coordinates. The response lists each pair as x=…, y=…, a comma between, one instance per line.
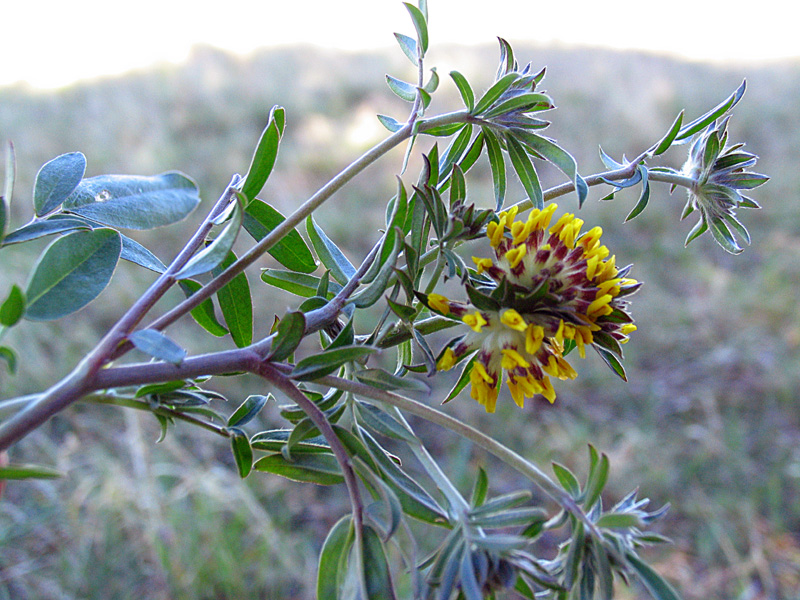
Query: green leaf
x=567, y=479
x=56, y=180
x=433, y=83
x=9, y=174
x=520, y=103
x=612, y=361
x=217, y=251
x=274, y=440
x=421, y=25
x=242, y=452
x=383, y=423
x=480, y=489
x=248, y=410
x=723, y=236
x=469, y=583
x=299, y=284
x=9, y=357
x=555, y=154
x=264, y=156
x=383, y=380
x=525, y=171
x=337, y=545
x=655, y=584
x=521, y=517
x=134, y=202
x=390, y=123
x=402, y=89
x=203, y=313
x=667, y=140
x=409, y=47
x=415, y=500
x=644, y=198
x=498, y=166
x=494, y=93
x=703, y=121
x=72, y=272
x=619, y=520
x=236, y=304
x=321, y=469
x=502, y=503
x=288, y=336
x=372, y=293
x=462, y=382
x=342, y=270
x=376, y=568
x=13, y=307
x=598, y=476
x=27, y=471
x=291, y=250
x=157, y=345
x=56, y=224
x=325, y=363
x=464, y=89
x=134, y=252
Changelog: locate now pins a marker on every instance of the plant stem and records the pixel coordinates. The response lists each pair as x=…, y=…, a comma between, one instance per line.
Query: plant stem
x=287, y=386
x=489, y=444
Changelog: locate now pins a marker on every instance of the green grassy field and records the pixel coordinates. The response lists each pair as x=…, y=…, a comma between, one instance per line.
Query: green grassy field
x=709, y=420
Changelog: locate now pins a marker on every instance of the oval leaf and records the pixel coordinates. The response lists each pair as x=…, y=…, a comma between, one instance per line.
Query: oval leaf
x=133, y=201
x=336, y=546
x=56, y=180
x=242, y=452
x=157, y=345
x=72, y=272
x=247, y=410
x=291, y=251
x=13, y=307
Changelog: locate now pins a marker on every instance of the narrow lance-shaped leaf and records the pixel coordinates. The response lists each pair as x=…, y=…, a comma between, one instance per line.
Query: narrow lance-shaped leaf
x=248, y=410
x=644, y=198
x=669, y=137
x=204, y=313
x=420, y=25
x=409, y=47
x=236, y=304
x=8, y=356
x=157, y=345
x=72, y=272
x=467, y=95
x=321, y=469
x=299, y=284
x=56, y=180
x=525, y=171
x=325, y=363
x=703, y=121
x=498, y=166
x=342, y=270
x=494, y=93
x=291, y=250
x=336, y=546
x=376, y=568
x=134, y=252
x=8, y=188
x=57, y=223
x=212, y=255
x=264, y=156
x=242, y=452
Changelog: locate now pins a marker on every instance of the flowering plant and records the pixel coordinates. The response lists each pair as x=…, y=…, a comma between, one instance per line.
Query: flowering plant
x=548, y=291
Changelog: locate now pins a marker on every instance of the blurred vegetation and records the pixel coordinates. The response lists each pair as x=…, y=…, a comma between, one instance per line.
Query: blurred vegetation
x=709, y=421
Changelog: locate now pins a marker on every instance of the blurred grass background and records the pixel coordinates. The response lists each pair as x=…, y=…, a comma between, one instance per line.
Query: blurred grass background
x=708, y=422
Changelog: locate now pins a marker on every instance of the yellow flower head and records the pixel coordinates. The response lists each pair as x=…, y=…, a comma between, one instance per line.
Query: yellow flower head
x=548, y=289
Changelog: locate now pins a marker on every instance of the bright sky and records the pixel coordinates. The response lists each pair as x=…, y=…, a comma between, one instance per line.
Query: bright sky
x=51, y=43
